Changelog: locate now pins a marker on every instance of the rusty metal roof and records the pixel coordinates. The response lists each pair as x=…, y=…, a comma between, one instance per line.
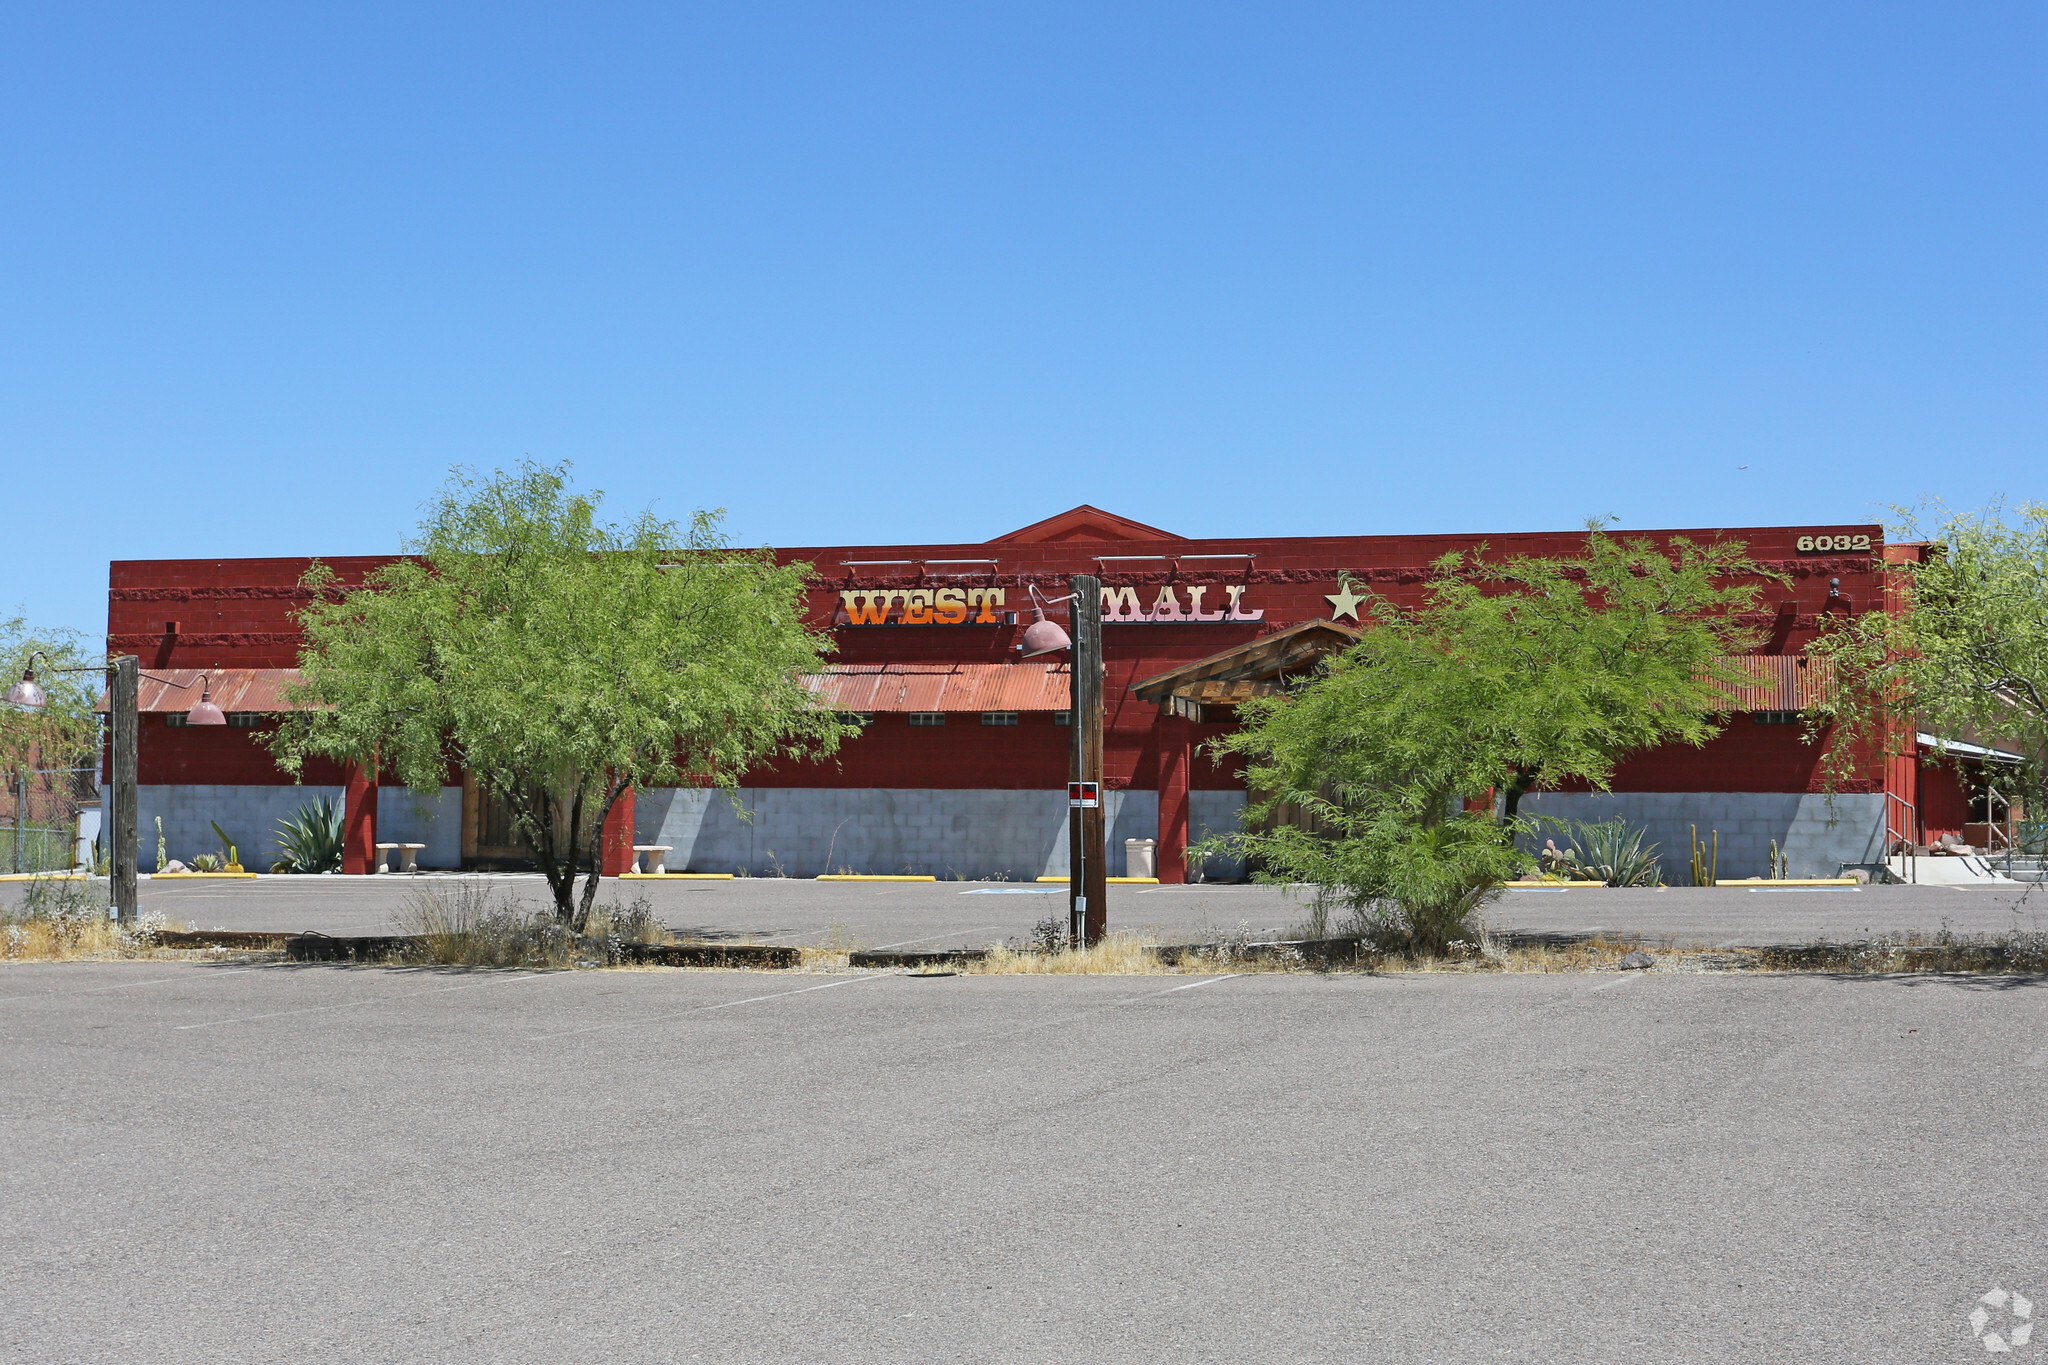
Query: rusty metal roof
x=942, y=687
x=234, y=689
x=845, y=687
x=1780, y=682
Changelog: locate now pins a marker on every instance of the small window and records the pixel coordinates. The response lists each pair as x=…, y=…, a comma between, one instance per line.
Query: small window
x=999, y=718
x=244, y=720
x=1774, y=717
x=175, y=719
x=1063, y=718
x=927, y=717
x=860, y=718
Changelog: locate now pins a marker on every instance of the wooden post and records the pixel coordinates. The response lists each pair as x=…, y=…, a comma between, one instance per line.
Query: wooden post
x=1087, y=872
x=123, y=685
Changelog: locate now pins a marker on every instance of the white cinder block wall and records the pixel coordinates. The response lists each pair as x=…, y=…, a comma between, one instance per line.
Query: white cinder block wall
x=985, y=834
x=973, y=835
x=250, y=815
x=1817, y=838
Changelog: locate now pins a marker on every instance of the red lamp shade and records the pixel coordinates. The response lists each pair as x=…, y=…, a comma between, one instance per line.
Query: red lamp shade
x=1043, y=636
x=203, y=711
x=28, y=694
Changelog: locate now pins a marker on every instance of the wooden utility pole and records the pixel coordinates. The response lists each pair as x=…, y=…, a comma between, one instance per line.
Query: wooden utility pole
x=123, y=681
x=1087, y=873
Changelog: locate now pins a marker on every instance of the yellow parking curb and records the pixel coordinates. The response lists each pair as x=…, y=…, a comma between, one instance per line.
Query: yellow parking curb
x=1787, y=881
x=202, y=876
x=869, y=877
x=673, y=877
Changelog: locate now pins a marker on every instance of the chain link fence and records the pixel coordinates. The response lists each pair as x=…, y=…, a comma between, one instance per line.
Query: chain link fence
x=49, y=819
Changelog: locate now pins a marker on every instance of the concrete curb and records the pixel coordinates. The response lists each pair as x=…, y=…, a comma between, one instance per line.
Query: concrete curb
x=714, y=954
x=876, y=957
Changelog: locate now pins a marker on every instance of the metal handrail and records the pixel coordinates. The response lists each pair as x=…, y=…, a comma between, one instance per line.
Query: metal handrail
x=1991, y=794
x=1908, y=831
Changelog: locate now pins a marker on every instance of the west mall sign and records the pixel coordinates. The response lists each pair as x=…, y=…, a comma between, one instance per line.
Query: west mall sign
x=1172, y=604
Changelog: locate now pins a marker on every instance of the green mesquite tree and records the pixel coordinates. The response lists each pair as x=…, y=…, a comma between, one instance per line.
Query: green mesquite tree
x=560, y=660
x=1510, y=675
x=1964, y=656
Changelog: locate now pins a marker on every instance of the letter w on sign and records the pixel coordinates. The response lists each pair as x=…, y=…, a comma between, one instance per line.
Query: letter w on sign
x=867, y=609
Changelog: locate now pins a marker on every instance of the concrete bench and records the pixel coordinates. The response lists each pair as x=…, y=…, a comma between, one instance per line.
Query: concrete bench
x=408, y=854
x=657, y=858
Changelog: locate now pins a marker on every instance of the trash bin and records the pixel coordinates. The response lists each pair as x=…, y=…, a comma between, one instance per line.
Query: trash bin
x=1140, y=857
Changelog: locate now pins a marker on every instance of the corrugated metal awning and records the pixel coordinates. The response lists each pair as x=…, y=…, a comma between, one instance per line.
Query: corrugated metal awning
x=234, y=689
x=1974, y=752
x=942, y=687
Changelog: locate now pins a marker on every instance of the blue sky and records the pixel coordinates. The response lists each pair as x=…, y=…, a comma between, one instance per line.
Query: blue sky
x=892, y=273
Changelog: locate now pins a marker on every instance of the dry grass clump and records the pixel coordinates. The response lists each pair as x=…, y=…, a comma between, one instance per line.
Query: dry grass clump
x=2017, y=953
x=63, y=918
x=477, y=924
x=1115, y=955
x=61, y=940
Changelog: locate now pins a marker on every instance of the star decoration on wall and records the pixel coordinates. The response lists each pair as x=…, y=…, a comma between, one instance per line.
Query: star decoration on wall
x=1344, y=602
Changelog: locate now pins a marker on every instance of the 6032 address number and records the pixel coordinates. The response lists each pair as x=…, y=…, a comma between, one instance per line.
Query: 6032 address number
x=1823, y=544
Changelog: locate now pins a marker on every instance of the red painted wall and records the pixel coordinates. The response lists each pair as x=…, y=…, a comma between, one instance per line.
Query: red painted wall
x=1944, y=800
x=240, y=613
x=1745, y=757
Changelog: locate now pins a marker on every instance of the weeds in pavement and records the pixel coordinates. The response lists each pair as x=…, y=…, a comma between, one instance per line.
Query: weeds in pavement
x=1116, y=955
x=473, y=924
x=2014, y=953
x=62, y=918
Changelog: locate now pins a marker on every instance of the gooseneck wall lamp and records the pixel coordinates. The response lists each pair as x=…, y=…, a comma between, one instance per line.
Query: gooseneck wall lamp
x=1043, y=636
x=29, y=695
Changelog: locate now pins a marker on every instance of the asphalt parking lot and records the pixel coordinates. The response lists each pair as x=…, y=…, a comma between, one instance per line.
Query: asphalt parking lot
x=263, y=1163
x=955, y=914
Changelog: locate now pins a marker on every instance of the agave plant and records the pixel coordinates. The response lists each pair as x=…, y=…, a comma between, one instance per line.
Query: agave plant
x=1602, y=851
x=1609, y=851
x=310, y=838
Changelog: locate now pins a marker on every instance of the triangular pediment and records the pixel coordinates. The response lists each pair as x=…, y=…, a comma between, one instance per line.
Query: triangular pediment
x=1083, y=523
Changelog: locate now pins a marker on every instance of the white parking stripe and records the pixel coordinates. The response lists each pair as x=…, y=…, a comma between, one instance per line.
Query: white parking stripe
x=1083, y=1014
x=375, y=1000
x=127, y=985
x=907, y=942
x=1192, y=984
x=699, y=1009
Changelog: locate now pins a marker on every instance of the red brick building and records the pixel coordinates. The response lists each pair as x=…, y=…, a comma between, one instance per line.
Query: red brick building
x=961, y=765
